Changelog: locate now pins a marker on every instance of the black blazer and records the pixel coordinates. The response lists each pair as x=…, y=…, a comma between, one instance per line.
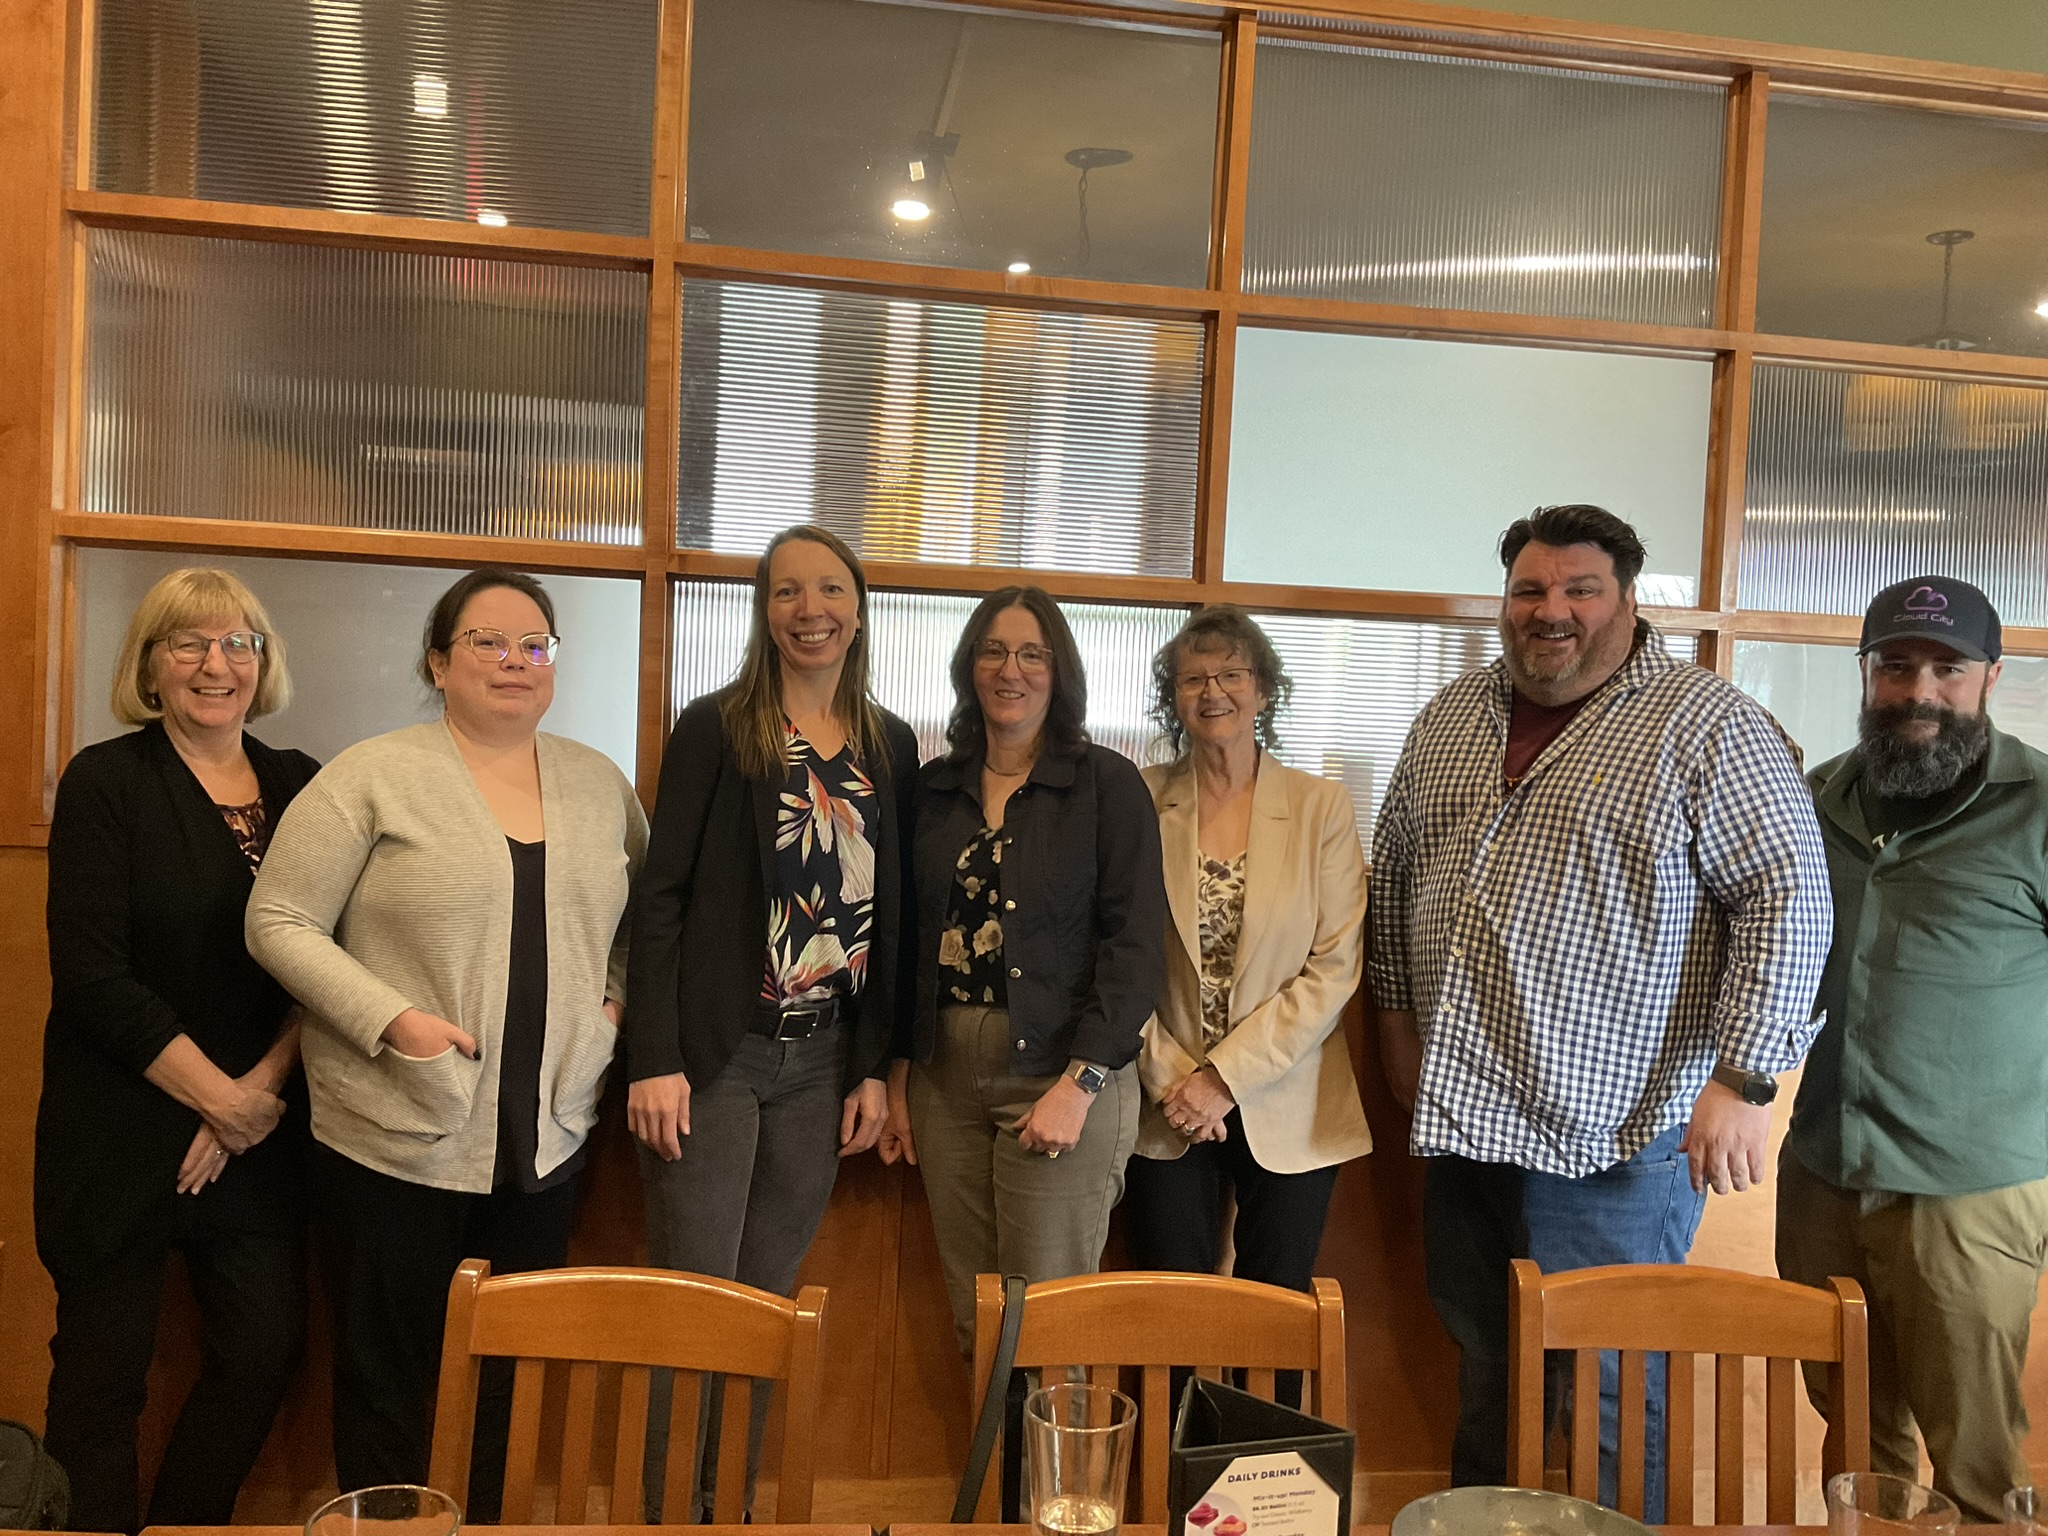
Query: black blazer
x=1086, y=940
x=700, y=907
x=147, y=890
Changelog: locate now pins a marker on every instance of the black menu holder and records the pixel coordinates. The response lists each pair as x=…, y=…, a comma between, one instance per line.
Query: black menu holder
x=1241, y=1466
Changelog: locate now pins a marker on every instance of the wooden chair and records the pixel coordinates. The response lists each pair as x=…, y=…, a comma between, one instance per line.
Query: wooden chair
x=634, y=1319
x=1154, y=1321
x=1683, y=1310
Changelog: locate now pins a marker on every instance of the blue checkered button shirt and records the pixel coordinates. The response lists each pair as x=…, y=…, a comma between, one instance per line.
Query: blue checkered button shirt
x=1580, y=951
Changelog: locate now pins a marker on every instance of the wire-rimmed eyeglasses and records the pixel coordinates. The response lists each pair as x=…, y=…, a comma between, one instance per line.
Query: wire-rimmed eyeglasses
x=536, y=650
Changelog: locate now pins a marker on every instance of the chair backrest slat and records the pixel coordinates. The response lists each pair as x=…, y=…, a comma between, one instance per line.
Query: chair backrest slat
x=1729, y=1459
x=610, y=1328
x=1154, y=1320
x=1681, y=1312
x=1634, y=1396
x=522, y=1449
x=1781, y=1435
x=629, y=1450
x=1259, y=1382
x=1680, y=1450
x=579, y=1428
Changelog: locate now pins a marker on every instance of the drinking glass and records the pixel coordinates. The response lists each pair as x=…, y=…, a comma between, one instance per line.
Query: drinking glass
x=2026, y=1511
x=1877, y=1504
x=396, y=1509
x=1079, y=1441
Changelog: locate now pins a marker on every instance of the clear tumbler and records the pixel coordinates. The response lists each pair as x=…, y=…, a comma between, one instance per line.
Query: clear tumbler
x=1078, y=1439
x=395, y=1509
x=1877, y=1504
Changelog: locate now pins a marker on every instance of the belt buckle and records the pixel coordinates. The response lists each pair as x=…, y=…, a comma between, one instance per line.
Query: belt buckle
x=783, y=1025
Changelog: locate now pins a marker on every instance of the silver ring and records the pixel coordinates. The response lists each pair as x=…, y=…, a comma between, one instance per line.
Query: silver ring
x=1186, y=1130
x=220, y=1151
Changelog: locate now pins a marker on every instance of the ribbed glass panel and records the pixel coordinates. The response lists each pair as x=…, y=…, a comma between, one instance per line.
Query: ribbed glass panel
x=352, y=634
x=914, y=638
x=497, y=111
x=1857, y=480
x=1854, y=193
x=363, y=389
x=1070, y=148
x=1385, y=463
x=1467, y=184
x=1816, y=692
x=1358, y=686
x=945, y=432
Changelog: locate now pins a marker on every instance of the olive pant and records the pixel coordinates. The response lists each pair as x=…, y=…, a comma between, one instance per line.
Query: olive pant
x=996, y=1208
x=1950, y=1282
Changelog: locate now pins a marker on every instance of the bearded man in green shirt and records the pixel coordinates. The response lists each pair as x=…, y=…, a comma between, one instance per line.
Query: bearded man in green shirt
x=1917, y=1161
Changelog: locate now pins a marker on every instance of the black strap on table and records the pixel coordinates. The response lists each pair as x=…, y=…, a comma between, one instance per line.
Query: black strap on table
x=1002, y=1401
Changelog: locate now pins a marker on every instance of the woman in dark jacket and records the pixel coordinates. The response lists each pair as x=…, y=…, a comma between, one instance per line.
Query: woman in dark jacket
x=1041, y=915
x=172, y=1114
x=762, y=989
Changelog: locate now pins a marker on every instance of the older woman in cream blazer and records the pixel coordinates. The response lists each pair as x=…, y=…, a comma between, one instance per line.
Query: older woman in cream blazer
x=1246, y=1073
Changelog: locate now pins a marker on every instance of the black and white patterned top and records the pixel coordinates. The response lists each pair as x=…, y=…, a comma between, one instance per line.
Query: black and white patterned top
x=1219, y=901
x=971, y=943
x=1579, y=951
x=822, y=910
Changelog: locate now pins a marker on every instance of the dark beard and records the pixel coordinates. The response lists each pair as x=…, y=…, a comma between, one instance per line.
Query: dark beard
x=1899, y=769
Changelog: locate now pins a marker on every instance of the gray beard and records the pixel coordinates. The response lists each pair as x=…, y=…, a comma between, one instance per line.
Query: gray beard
x=1899, y=769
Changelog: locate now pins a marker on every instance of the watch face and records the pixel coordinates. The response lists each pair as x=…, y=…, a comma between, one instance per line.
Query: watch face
x=1760, y=1089
x=1091, y=1078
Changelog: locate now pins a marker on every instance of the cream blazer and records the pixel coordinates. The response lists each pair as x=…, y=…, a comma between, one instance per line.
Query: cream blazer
x=1299, y=959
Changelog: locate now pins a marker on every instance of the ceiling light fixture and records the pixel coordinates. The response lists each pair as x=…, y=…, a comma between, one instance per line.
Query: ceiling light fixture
x=1085, y=160
x=2041, y=309
x=429, y=96
x=910, y=209
x=1943, y=339
x=1019, y=268
x=491, y=218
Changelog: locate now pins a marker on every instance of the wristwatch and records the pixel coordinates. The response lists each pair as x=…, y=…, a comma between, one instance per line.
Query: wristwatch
x=1755, y=1087
x=1088, y=1075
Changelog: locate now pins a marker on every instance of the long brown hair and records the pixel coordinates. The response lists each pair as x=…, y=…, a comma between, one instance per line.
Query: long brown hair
x=751, y=705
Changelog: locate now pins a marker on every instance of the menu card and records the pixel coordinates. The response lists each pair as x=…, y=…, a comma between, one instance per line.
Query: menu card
x=1241, y=1466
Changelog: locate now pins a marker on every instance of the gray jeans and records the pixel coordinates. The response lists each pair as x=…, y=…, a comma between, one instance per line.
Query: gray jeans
x=743, y=1203
x=996, y=1208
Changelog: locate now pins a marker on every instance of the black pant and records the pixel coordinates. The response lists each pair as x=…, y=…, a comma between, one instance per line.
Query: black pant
x=389, y=1248
x=1173, y=1218
x=252, y=1306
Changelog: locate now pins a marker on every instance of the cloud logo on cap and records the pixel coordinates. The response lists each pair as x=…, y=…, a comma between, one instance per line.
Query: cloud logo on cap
x=1925, y=603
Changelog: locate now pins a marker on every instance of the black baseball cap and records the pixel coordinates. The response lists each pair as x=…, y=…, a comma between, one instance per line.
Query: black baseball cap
x=1939, y=608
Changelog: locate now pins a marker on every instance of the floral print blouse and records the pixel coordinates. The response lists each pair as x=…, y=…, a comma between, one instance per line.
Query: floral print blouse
x=971, y=944
x=821, y=909
x=1219, y=899
x=251, y=825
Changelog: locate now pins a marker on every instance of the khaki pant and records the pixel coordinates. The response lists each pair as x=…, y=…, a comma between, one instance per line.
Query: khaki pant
x=1950, y=1282
x=996, y=1208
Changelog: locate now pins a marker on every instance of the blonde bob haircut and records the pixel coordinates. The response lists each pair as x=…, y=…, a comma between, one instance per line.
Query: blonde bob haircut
x=186, y=599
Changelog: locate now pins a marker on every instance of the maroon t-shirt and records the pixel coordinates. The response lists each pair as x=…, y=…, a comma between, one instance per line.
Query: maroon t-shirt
x=1531, y=728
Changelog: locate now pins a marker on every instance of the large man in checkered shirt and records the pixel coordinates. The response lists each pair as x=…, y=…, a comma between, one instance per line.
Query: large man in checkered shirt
x=1599, y=916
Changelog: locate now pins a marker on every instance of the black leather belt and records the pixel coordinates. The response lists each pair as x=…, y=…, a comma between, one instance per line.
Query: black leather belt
x=799, y=1021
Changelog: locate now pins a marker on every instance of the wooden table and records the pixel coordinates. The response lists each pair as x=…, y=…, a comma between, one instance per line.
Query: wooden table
x=559, y=1530
x=906, y=1529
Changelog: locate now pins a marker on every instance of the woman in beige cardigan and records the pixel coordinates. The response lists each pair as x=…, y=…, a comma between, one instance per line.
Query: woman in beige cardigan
x=1247, y=1076
x=447, y=901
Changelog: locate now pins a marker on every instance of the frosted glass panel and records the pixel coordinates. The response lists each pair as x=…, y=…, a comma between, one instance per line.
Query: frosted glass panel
x=363, y=389
x=497, y=111
x=1852, y=192
x=1379, y=462
x=1074, y=148
x=1468, y=184
x=1816, y=692
x=921, y=430
x=1859, y=480
x=354, y=636
x=914, y=638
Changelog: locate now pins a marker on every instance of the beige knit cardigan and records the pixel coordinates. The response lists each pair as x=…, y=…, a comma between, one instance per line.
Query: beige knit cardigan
x=388, y=885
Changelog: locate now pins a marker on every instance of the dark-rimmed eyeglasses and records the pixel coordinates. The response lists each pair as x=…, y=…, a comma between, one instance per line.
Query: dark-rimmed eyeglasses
x=238, y=647
x=492, y=645
x=1030, y=658
x=1230, y=680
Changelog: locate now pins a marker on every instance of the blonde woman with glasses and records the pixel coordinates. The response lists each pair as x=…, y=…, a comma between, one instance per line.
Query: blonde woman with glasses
x=172, y=1114
x=449, y=901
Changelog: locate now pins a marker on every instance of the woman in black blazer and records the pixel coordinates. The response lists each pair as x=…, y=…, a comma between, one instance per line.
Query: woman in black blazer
x=172, y=1112
x=762, y=994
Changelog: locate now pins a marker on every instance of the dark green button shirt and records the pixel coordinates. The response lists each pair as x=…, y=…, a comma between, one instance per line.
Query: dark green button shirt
x=1931, y=1074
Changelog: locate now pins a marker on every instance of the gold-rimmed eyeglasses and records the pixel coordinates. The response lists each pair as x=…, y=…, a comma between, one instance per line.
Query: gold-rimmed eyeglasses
x=238, y=647
x=492, y=645
x=1030, y=658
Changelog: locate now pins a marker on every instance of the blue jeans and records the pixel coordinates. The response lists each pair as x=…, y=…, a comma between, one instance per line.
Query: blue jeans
x=1478, y=1216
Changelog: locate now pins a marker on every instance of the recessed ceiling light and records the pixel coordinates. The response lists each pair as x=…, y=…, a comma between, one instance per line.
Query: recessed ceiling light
x=1019, y=268
x=2041, y=309
x=491, y=217
x=909, y=208
x=429, y=96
